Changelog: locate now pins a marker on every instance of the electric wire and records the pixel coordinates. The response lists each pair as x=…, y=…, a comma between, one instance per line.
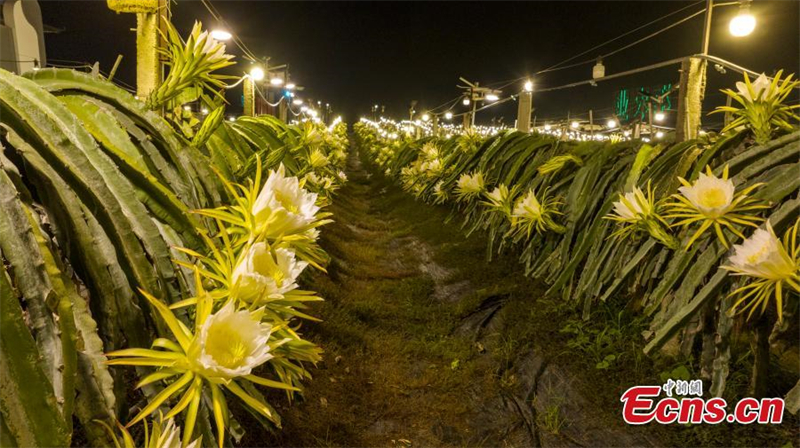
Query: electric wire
x=261, y=94
x=558, y=66
x=622, y=35
x=239, y=43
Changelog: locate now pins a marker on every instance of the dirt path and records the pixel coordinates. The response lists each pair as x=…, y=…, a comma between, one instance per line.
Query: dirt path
x=427, y=344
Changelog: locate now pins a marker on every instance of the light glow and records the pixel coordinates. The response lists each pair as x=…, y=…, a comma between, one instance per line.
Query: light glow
x=257, y=73
x=221, y=35
x=574, y=125
x=492, y=97
x=743, y=24
x=276, y=81
x=528, y=86
x=659, y=116
x=448, y=115
x=611, y=124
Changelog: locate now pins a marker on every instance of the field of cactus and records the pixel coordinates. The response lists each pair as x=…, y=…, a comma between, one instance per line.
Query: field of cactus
x=152, y=263
x=698, y=237
x=179, y=279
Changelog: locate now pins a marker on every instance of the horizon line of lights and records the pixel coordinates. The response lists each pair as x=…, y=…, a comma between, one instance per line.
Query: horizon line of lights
x=392, y=130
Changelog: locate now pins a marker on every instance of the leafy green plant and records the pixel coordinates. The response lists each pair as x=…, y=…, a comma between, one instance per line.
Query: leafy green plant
x=96, y=191
x=191, y=67
x=762, y=109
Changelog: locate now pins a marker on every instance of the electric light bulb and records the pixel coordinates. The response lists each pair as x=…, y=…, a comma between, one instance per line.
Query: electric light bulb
x=528, y=86
x=491, y=97
x=448, y=115
x=659, y=134
x=231, y=118
x=611, y=124
x=465, y=102
x=204, y=111
x=547, y=127
x=575, y=125
x=290, y=86
x=297, y=102
x=743, y=24
x=221, y=35
x=257, y=73
x=187, y=108
x=659, y=116
x=426, y=117
x=276, y=81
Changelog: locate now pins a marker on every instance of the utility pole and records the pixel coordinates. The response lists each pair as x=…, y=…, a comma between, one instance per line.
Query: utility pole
x=474, y=107
x=693, y=86
x=525, y=100
x=148, y=40
x=249, y=88
x=591, y=124
x=476, y=93
x=690, y=99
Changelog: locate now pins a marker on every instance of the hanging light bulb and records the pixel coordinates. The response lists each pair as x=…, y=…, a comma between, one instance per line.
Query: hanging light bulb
x=659, y=134
x=659, y=116
x=574, y=125
x=611, y=124
x=528, y=87
x=220, y=34
x=257, y=73
x=465, y=102
x=426, y=117
x=276, y=81
x=744, y=23
x=448, y=115
x=491, y=97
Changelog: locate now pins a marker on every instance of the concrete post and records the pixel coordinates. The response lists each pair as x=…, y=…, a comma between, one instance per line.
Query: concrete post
x=148, y=66
x=690, y=98
x=435, y=119
x=283, y=111
x=525, y=101
x=249, y=88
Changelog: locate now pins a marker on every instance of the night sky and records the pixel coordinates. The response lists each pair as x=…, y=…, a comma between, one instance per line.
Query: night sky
x=355, y=54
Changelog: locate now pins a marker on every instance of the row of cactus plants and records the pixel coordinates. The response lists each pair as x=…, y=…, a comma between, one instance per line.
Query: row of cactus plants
x=687, y=233
x=142, y=246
